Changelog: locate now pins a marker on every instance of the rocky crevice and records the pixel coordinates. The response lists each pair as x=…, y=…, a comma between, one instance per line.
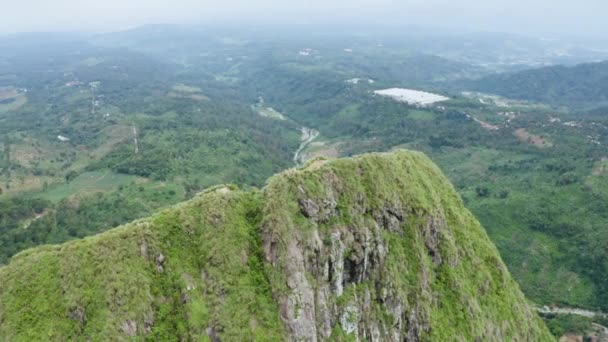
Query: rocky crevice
x=374, y=248
x=322, y=265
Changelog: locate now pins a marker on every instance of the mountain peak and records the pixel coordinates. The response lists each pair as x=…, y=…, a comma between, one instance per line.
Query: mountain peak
x=377, y=247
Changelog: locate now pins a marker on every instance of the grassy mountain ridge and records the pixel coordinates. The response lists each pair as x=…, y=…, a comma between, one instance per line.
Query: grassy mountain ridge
x=377, y=247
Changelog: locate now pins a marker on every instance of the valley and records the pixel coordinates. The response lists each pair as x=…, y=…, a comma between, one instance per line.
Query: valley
x=308, y=136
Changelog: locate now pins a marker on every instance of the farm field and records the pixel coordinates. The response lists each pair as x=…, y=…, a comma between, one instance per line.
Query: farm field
x=89, y=183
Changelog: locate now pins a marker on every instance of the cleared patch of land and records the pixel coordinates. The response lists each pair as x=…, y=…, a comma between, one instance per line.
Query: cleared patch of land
x=27, y=152
x=411, y=96
x=26, y=183
x=271, y=113
x=114, y=136
x=267, y=112
x=601, y=167
x=8, y=93
x=182, y=88
x=182, y=91
x=360, y=80
x=11, y=99
x=26, y=155
x=195, y=97
x=533, y=139
x=89, y=182
x=484, y=124
x=498, y=101
x=421, y=115
x=226, y=79
x=92, y=61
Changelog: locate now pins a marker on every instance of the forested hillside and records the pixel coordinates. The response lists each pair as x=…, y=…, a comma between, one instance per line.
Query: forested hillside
x=94, y=137
x=99, y=130
x=579, y=87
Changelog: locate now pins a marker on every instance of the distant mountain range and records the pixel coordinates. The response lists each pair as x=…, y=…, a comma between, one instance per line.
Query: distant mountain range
x=584, y=86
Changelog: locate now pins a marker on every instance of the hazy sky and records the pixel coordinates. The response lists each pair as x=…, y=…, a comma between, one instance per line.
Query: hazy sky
x=548, y=17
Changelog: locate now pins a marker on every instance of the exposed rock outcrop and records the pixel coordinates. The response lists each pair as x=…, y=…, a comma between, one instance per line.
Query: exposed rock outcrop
x=373, y=248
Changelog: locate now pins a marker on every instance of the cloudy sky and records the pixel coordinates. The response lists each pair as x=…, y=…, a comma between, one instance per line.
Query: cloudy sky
x=546, y=17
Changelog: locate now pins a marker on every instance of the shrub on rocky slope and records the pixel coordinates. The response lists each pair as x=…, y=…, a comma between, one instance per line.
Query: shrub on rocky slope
x=377, y=248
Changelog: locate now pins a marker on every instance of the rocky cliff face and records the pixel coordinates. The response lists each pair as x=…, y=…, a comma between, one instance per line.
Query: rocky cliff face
x=376, y=248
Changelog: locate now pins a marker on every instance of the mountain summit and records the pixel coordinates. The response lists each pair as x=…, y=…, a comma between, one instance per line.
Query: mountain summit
x=378, y=248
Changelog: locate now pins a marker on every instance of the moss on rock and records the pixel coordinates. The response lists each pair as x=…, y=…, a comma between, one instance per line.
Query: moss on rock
x=377, y=247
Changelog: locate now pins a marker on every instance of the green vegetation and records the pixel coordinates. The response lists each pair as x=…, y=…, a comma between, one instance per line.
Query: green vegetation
x=238, y=265
x=534, y=175
x=421, y=115
x=11, y=99
x=141, y=137
x=542, y=198
x=30, y=222
x=563, y=324
x=88, y=182
x=145, y=279
x=581, y=87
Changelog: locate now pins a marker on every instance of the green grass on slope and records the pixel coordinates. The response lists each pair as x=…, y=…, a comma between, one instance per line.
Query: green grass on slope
x=547, y=223
x=198, y=269
x=192, y=268
x=88, y=182
x=467, y=297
